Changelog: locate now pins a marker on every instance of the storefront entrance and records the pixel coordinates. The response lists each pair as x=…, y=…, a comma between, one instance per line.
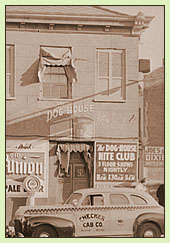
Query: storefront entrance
x=78, y=175
x=71, y=168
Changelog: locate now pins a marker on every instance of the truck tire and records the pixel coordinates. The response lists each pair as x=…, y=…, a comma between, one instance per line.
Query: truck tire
x=44, y=231
x=149, y=230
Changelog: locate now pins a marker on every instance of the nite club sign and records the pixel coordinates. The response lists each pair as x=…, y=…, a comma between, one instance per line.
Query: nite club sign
x=116, y=162
x=20, y=166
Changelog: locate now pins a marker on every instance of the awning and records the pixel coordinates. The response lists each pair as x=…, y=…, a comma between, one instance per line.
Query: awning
x=67, y=148
x=55, y=56
x=74, y=147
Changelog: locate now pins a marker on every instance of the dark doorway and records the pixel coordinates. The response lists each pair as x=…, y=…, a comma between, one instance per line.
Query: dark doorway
x=78, y=176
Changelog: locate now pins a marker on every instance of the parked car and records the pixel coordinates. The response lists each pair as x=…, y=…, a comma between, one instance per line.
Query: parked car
x=150, y=186
x=95, y=212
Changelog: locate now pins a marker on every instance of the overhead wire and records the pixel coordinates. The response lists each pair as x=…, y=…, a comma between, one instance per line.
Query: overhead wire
x=19, y=108
x=72, y=102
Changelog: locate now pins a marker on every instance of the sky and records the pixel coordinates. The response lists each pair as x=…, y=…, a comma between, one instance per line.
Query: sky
x=152, y=40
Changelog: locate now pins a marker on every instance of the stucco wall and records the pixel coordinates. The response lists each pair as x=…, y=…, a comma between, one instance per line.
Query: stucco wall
x=111, y=119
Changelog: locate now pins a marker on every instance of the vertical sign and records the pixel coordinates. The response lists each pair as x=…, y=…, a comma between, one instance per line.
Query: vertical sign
x=116, y=162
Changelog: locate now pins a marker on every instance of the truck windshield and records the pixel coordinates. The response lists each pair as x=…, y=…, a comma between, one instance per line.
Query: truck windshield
x=73, y=196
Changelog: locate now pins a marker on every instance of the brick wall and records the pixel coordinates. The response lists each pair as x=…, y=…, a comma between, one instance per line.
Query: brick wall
x=154, y=101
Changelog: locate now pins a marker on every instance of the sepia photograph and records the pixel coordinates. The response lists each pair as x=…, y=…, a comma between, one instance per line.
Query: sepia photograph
x=85, y=121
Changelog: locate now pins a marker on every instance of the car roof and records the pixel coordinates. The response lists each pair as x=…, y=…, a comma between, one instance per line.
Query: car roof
x=115, y=189
x=108, y=190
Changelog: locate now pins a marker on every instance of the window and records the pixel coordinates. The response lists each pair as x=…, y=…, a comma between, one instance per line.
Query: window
x=118, y=199
x=74, y=196
x=87, y=201
x=10, y=85
x=138, y=200
x=93, y=200
x=56, y=72
x=55, y=83
x=111, y=82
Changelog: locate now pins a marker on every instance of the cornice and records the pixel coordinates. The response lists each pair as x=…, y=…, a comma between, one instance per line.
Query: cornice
x=138, y=23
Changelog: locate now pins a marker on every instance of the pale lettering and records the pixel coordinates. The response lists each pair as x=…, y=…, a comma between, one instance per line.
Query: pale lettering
x=81, y=108
x=9, y=165
x=31, y=168
x=39, y=168
x=18, y=167
x=55, y=113
x=61, y=112
x=23, y=168
x=86, y=108
x=106, y=156
x=69, y=110
x=125, y=156
x=92, y=108
x=49, y=115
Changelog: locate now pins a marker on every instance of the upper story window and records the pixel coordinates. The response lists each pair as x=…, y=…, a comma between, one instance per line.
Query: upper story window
x=10, y=68
x=56, y=72
x=111, y=80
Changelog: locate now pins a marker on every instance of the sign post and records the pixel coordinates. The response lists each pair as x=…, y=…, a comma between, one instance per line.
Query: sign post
x=31, y=200
x=31, y=185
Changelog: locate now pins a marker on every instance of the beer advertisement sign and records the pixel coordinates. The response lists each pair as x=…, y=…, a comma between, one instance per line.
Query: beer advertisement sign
x=116, y=162
x=154, y=156
x=26, y=173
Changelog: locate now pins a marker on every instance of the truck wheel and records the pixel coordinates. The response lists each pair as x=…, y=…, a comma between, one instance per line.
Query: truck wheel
x=44, y=231
x=148, y=230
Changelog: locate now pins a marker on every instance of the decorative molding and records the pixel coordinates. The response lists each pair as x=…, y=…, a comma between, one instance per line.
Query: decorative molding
x=79, y=27
x=51, y=26
x=139, y=22
x=22, y=25
x=107, y=28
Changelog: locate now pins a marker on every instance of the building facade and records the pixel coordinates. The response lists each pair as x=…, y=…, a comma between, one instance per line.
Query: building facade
x=152, y=126
x=72, y=103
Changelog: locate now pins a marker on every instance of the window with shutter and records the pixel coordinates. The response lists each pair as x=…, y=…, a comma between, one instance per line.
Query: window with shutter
x=55, y=83
x=110, y=82
x=10, y=82
x=56, y=72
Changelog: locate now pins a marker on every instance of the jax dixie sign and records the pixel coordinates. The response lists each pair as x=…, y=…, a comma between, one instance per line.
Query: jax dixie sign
x=68, y=109
x=154, y=156
x=116, y=162
x=23, y=166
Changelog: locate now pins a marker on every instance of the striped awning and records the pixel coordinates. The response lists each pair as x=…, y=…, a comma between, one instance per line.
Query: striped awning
x=63, y=154
x=56, y=56
x=74, y=147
